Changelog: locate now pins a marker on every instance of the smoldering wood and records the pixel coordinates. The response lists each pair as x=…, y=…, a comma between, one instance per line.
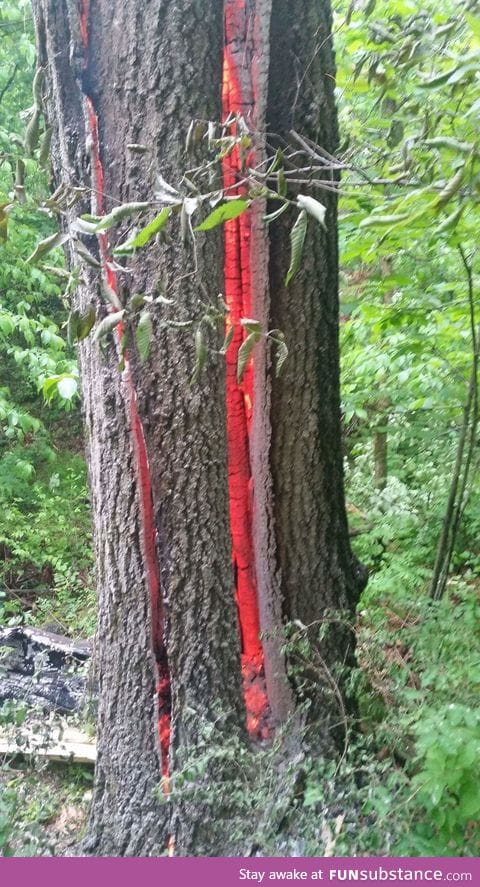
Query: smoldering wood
x=40, y=668
x=132, y=54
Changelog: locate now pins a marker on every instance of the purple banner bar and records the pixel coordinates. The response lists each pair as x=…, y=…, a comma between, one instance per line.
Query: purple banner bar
x=202, y=872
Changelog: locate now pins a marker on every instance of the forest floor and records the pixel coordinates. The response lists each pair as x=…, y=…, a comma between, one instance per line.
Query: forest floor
x=48, y=802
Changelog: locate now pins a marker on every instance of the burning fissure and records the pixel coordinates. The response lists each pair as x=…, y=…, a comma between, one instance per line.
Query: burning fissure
x=239, y=398
x=140, y=451
x=238, y=99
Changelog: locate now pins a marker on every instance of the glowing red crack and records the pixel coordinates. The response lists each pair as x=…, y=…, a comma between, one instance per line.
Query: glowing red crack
x=239, y=396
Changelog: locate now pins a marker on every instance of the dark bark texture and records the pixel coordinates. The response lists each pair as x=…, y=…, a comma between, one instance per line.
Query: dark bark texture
x=126, y=819
x=156, y=68
x=316, y=564
x=148, y=69
x=151, y=68
x=43, y=669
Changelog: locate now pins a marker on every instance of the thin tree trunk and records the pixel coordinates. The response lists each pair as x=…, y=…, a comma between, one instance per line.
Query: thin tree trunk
x=461, y=469
x=380, y=446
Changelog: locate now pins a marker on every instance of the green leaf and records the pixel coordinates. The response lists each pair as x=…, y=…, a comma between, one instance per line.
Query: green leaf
x=395, y=133
x=282, y=183
x=72, y=327
x=224, y=213
x=474, y=23
x=449, y=143
x=32, y=132
x=119, y=213
x=45, y=246
x=67, y=387
x=451, y=221
x=108, y=324
x=109, y=294
x=276, y=213
x=227, y=340
x=44, y=156
x=253, y=326
x=86, y=322
x=136, y=301
x=144, y=235
x=439, y=79
x=297, y=240
x=451, y=188
x=85, y=254
x=281, y=354
x=201, y=352
x=377, y=221
x=143, y=335
x=244, y=353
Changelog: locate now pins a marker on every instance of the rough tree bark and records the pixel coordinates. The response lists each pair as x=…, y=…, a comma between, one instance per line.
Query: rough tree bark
x=129, y=68
x=134, y=73
x=317, y=569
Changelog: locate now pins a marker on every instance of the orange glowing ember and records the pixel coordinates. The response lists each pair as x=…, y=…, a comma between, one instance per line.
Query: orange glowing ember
x=239, y=397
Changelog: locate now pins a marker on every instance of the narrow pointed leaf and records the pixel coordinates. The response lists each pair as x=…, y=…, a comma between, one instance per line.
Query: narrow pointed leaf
x=297, y=240
x=45, y=246
x=281, y=354
x=244, y=353
x=201, y=352
x=108, y=324
x=144, y=235
x=224, y=213
x=119, y=213
x=143, y=335
x=227, y=340
x=85, y=254
x=276, y=213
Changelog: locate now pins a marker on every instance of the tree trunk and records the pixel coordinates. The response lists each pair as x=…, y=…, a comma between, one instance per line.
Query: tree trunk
x=101, y=66
x=318, y=572
x=169, y=643
x=380, y=447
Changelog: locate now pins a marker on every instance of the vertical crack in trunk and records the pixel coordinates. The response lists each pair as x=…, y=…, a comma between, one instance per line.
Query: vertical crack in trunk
x=142, y=468
x=238, y=98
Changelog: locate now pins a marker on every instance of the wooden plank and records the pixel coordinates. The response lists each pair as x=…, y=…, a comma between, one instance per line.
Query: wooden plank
x=69, y=745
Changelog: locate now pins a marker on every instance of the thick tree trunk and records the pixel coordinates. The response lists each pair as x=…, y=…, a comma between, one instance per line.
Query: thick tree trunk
x=133, y=73
x=126, y=818
x=128, y=63
x=156, y=69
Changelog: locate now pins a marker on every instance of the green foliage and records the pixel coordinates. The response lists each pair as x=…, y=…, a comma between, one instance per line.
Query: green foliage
x=42, y=808
x=46, y=563
x=409, y=102
x=223, y=213
x=447, y=743
x=297, y=240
